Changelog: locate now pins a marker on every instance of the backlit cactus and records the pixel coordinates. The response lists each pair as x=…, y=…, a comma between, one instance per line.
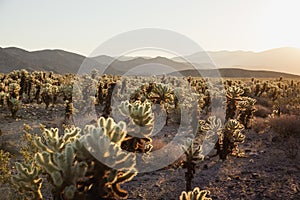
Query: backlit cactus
x=28, y=180
x=71, y=160
x=233, y=95
x=113, y=166
x=232, y=135
x=192, y=155
x=12, y=99
x=46, y=93
x=64, y=171
x=4, y=166
x=140, y=126
x=229, y=135
x=196, y=194
x=246, y=111
x=161, y=94
x=88, y=166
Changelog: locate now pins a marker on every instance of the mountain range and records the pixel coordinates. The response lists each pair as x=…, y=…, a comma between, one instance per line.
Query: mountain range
x=272, y=63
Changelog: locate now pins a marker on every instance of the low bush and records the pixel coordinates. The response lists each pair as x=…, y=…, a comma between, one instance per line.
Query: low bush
x=259, y=125
x=262, y=111
x=286, y=125
x=263, y=101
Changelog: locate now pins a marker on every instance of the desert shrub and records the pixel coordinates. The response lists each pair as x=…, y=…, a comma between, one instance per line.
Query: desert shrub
x=292, y=147
x=262, y=111
x=264, y=102
x=259, y=125
x=285, y=125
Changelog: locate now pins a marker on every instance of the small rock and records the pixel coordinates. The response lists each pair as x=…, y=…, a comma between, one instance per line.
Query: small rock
x=255, y=175
x=275, y=139
x=253, y=154
x=247, y=150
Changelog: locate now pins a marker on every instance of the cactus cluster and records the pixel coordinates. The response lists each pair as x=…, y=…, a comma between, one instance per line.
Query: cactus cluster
x=4, y=166
x=229, y=135
x=88, y=165
x=71, y=161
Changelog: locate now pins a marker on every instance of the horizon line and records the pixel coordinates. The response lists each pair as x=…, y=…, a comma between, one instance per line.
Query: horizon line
x=141, y=55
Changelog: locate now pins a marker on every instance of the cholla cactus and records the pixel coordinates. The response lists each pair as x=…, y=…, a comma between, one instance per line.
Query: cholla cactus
x=228, y=136
x=233, y=95
x=23, y=84
x=161, y=94
x=27, y=180
x=55, y=93
x=228, y=142
x=89, y=166
x=65, y=172
x=12, y=99
x=108, y=98
x=103, y=141
x=55, y=157
x=52, y=142
x=247, y=109
x=196, y=194
x=3, y=97
x=69, y=111
x=14, y=89
x=192, y=155
x=140, y=126
x=4, y=166
x=67, y=90
x=13, y=105
x=2, y=87
x=46, y=92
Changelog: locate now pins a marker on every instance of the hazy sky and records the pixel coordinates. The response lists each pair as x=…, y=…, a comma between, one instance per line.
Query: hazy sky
x=80, y=26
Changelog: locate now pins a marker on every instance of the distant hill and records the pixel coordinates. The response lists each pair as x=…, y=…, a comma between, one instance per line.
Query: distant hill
x=285, y=59
x=60, y=61
x=236, y=73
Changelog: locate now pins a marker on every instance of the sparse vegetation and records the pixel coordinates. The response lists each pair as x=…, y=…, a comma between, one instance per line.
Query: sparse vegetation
x=118, y=114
